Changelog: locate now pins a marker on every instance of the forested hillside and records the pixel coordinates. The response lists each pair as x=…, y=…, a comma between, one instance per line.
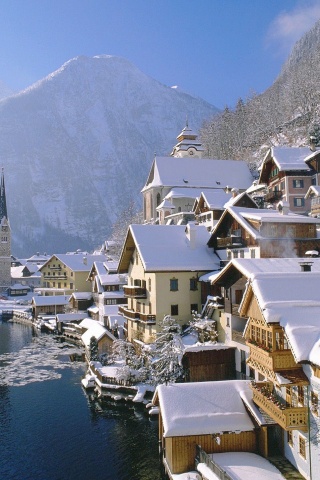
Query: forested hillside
x=285, y=114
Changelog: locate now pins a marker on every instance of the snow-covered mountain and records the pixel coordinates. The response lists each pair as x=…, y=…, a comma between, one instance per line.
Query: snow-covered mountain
x=77, y=147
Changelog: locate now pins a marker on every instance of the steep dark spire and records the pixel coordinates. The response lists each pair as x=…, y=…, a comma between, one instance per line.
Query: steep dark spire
x=3, y=202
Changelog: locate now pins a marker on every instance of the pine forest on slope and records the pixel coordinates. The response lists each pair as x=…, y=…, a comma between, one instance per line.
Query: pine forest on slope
x=285, y=114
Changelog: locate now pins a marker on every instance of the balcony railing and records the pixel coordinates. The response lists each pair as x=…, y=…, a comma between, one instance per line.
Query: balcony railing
x=137, y=316
x=273, y=195
x=277, y=360
x=135, y=292
x=232, y=242
x=288, y=417
x=58, y=276
x=203, y=457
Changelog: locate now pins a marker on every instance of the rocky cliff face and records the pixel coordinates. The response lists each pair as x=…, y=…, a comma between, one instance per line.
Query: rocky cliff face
x=77, y=147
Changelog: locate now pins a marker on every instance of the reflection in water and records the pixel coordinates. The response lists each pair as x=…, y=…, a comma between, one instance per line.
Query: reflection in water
x=52, y=430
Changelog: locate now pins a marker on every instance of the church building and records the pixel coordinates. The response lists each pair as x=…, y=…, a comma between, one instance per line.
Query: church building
x=5, y=240
x=175, y=182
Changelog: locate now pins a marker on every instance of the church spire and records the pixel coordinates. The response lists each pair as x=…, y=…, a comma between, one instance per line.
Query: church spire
x=3, y=201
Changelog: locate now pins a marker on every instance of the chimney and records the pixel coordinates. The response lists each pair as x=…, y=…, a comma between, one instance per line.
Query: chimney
x=313, y=142
x=283, y=207
x=306, y=266
x=191, y=233
x=234, y=192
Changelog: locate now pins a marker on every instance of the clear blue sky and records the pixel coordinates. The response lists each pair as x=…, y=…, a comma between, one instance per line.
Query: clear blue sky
x=219, y=50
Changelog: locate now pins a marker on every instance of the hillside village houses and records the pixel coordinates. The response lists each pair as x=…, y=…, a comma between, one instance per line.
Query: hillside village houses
x=207, y=251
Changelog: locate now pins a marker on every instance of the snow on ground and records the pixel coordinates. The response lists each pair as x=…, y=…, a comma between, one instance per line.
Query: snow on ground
x=246, y=466
x=188, y=476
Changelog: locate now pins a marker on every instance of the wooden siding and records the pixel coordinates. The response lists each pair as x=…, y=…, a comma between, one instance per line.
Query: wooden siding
x=209, y=365
x=180, y=452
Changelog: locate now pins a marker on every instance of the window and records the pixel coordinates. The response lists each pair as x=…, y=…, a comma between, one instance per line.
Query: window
x=302, y=446
x=173, y=284
x=314, y=402
x=71, y=286
x=194, y=308
x=174, y=309
x=282, y=185
x=298, y=184
x=300, y=395
x=290, y=438
x=110, y=301
x=253, y=253
x=298, y=202
x=149, y=284
x=241, y=253
x=269, y=339
x=193, y=284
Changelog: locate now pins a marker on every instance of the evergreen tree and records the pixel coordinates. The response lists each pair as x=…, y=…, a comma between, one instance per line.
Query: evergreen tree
x=94, y=352
x=167, y=353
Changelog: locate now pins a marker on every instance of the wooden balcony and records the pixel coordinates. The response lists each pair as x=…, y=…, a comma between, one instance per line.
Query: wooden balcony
x=276, y=361
x=231, y=242
x=273, y=195
x=137, y=316
x=289, y=418
x=135, y=292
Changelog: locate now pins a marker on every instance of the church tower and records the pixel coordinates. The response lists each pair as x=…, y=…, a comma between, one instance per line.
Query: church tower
x=188, y=145
x=5, y=240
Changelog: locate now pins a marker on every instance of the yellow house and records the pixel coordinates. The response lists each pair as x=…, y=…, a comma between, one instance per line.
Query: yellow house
x=163, y=263
x=66, y=273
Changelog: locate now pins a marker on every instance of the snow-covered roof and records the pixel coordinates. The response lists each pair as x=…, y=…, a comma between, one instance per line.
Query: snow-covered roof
x=43, y=300
x=216, y=198
x=184, y=193
x=204, y=408
x=115, y=320
x=198, y=172
x=95, y=330
x=70, y=317
x=82, y=295
x=244, y=215
x=251, y=266
x=290, y=158
x=167, y=248
x=165, y=204
x=110, y=310
x=293, y=301
x=313, y=191
x=78, y=262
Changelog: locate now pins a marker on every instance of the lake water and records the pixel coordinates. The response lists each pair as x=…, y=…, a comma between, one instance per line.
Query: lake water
x=50, y=429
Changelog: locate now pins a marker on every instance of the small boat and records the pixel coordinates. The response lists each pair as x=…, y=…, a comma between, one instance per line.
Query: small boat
x=88, y=382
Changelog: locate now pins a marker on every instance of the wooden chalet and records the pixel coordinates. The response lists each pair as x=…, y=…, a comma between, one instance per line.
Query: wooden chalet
x=287, y=173
x=283, y=311
x=211, y=414
x=263, y=233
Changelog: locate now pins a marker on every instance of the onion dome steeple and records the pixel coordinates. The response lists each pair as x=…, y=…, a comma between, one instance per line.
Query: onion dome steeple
x=188, y=145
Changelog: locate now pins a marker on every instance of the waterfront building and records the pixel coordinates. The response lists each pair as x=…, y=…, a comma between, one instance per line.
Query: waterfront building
x=282, y=333
x=67, y=273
